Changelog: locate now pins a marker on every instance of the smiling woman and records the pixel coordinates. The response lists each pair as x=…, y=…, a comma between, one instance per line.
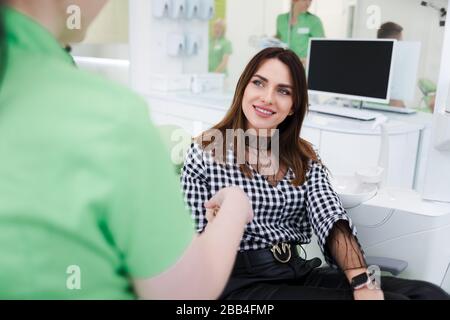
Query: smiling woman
x=281, y=102
x=290, y=201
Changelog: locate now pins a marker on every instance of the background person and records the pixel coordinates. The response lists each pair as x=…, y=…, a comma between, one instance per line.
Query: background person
x=220, y=48
x=392, y=30
x=299, y=25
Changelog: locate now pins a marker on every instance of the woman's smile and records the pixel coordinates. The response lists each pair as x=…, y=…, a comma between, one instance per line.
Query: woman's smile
x=263, y=112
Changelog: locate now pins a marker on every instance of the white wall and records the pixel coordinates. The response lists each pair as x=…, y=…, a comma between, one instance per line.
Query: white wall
x=111, y=25
x=334, y=14
x=148, y=45
x=246, y=18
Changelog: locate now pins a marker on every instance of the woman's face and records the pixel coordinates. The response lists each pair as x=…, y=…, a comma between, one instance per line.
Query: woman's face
x=302, y=5
x=219, y=30
x=268, y=97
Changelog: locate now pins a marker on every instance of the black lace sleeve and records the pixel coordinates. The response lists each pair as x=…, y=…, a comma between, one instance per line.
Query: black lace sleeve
x=344, y=247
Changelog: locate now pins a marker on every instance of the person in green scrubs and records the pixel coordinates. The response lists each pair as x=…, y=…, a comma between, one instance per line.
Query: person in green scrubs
x=296, y=27
x=89, y=205
x=220, y=48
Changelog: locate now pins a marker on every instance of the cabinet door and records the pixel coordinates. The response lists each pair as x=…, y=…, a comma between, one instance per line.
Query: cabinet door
x=311, y=135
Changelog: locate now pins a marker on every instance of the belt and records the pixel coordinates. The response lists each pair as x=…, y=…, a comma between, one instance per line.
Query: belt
x=279, y=253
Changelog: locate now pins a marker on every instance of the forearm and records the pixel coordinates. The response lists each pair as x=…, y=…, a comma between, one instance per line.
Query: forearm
x=345, y=250
x=203, y=270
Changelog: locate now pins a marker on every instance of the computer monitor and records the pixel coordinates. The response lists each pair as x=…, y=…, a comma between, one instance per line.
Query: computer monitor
x=406, y=66
x=353, y=69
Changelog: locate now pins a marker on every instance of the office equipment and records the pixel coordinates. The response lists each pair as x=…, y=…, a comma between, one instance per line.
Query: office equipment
x=350, y=113
x=193, y=43
x=177, y=9
x=404, y=224
x=352, y=69
x=161, y=8
x=387, y=108
x=404, y=78
x=206, y=10
x=176, y=44
x=192, y=9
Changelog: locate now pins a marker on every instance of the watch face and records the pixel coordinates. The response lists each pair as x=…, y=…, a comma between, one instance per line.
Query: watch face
x=359, y=280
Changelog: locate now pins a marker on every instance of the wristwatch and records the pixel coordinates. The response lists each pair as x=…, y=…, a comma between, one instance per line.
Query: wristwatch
x=359, y=281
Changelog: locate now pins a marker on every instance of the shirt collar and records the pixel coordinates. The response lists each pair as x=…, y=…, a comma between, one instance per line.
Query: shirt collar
x=27, y=34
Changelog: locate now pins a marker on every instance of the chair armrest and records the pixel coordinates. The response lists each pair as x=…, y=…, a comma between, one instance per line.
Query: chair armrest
x=393, y=266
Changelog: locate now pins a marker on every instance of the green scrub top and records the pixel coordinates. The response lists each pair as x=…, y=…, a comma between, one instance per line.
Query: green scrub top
x=218, y=48
x=308, y=26
x=88, y=196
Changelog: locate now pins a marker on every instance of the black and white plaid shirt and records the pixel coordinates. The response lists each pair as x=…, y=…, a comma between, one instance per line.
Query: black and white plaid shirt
x=282, y=213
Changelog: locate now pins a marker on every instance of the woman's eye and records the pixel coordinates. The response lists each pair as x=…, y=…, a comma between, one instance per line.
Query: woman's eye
x=284, y=92
x=258, y=83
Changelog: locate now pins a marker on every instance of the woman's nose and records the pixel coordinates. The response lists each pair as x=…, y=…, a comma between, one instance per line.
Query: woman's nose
x=268, y=97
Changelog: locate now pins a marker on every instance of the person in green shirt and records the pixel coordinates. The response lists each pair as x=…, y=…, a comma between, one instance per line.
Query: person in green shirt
x=89, y=205
x=296, y=27
x=220, y=48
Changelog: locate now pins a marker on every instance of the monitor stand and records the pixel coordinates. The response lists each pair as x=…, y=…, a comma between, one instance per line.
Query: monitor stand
x=343, y=108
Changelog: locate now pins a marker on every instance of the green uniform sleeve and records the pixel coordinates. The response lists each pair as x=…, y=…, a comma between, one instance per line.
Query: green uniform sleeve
x=278, y=35
x=148, y=221
x=317, y=30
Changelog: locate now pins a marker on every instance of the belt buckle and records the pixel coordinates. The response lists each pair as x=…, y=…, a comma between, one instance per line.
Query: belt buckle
x=282, y=254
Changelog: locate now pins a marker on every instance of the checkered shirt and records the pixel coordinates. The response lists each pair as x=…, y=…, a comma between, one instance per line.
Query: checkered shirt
x=283, y=213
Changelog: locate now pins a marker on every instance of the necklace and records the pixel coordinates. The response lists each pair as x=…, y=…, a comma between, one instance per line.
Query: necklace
x=260, y=143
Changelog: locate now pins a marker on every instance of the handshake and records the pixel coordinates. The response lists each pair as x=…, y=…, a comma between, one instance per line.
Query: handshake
x=232, y=199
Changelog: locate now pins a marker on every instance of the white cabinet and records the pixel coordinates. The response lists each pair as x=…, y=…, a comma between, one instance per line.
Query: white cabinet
x=312, y=135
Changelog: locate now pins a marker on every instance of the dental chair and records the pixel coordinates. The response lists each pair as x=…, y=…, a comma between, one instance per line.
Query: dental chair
x=177, y=142
x=428, y=89
x=387, y=265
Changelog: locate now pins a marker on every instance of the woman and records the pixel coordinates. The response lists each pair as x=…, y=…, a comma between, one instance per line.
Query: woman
x=290, y=193
x=220, y=48
x=89, y=205
x=299, y=25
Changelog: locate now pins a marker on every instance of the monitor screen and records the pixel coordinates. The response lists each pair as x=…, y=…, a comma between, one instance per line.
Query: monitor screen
x=356, y=69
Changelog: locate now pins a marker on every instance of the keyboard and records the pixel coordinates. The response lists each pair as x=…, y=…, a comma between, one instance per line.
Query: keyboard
x=344, y=112
x=387, y=108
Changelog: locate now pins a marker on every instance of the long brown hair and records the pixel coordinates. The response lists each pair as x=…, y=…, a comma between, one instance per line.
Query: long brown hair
x=294, y=152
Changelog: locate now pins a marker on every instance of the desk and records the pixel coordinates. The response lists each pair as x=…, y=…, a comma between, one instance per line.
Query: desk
x=345, y=145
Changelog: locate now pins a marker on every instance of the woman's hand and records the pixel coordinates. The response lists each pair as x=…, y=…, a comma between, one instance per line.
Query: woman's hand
x=368, y=294
x=234, y=195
